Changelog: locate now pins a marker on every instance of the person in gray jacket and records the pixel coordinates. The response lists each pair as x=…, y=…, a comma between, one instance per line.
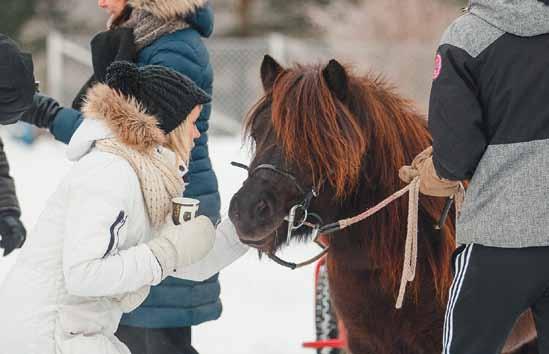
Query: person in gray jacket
x=489, y=117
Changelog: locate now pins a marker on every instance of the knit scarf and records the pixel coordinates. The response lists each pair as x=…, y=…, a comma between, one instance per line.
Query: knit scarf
x=158, y=176
x=148, y=28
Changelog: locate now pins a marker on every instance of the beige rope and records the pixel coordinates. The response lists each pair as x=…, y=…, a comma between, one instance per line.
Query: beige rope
x=459, y=199
x=410, y=249
x=373, y=210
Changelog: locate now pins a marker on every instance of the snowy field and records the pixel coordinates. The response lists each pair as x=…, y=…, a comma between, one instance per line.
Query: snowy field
x=267, y=309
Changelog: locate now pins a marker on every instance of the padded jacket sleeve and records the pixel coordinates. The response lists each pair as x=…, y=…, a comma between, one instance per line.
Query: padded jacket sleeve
x=455, y=115
x=100, y=202
x=65, y=124
x=227, y=249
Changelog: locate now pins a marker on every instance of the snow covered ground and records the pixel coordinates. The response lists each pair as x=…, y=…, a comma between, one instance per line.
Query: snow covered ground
x=267, y=309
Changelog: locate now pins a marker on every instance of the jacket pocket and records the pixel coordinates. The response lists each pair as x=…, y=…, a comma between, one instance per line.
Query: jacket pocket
x=88, y=328
x=95, y=344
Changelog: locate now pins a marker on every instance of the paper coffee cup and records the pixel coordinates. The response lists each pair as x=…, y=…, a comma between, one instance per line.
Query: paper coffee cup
x=184, y=209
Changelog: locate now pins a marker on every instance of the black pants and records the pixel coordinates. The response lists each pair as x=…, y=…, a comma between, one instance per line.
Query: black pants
x=491, y=288
x=156, y=341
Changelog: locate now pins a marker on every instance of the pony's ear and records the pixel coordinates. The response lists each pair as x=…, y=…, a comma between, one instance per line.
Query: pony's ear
x=336, y=77
x=270, y=69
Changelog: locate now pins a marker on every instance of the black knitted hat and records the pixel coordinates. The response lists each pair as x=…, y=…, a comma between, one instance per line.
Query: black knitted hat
x=164, y=93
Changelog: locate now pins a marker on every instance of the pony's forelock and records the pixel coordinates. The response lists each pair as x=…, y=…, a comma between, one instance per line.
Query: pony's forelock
x=316, y=130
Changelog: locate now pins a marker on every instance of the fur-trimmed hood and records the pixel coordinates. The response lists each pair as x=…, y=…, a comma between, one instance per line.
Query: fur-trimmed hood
x=108, y=114
x=168, y=9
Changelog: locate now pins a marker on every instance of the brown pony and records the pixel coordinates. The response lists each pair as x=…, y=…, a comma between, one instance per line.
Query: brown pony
x=346, y=137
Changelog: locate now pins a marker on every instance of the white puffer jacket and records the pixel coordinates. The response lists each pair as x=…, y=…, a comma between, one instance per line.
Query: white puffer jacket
x=86, y=261
x=84, y=254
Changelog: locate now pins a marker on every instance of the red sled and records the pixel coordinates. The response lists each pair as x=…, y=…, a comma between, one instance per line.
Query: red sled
x=330, y=333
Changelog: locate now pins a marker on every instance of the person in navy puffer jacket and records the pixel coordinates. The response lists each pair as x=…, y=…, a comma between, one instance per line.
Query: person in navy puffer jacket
x=167, y=33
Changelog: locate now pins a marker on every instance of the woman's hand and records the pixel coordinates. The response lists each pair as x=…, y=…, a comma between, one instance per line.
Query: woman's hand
x=180, y=246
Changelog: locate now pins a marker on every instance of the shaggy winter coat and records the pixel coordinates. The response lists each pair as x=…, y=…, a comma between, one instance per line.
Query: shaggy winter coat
x=88, y=248
x=175, y=302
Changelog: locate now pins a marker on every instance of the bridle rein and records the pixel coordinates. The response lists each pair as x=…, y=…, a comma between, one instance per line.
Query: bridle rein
x=410, y=252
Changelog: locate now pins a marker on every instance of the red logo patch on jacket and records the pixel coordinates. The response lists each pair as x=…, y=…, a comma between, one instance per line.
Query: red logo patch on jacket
x=438, y=67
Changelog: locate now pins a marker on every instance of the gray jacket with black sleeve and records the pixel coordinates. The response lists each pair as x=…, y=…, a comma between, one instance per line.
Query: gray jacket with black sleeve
x=489, y=116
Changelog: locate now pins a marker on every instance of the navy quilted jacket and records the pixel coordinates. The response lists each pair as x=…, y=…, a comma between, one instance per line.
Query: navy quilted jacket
x=175, y=302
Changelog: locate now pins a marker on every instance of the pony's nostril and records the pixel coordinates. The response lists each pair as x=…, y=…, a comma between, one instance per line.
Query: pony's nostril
x=234, y=209
x=262, y=209
x=236, y=214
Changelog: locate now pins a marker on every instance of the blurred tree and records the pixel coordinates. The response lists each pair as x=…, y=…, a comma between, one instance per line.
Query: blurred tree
x=291, y=17
x=393, y=37
x=276, y=15
x=14, y=15
x=244, y=15
x=385, y=20
x=56, y=13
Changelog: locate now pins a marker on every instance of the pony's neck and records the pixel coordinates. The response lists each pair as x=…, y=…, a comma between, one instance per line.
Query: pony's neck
x=396, y=132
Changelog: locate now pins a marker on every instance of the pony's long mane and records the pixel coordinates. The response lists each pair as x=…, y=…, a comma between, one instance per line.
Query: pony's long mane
x=358, y=147
x=315, y=129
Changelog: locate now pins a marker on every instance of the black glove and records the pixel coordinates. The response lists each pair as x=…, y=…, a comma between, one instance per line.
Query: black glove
x=113, y=45
x=42, y=111
x=107, y=47
x=80, y=98
x=13, y=233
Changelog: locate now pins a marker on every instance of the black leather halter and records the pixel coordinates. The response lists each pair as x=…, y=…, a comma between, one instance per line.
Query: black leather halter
x=300, y=210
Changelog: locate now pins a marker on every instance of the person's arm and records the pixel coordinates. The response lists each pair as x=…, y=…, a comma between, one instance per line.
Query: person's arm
x=227, y=249
x=46, y=112
x=455, y=115
x=12, y=231
x=65, y=124
x=96, y=223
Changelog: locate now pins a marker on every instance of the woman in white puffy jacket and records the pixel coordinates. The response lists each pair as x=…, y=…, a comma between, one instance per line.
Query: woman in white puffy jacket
x=104, y=238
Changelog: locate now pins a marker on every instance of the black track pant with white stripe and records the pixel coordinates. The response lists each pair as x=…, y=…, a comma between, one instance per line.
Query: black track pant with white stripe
x=491, y=288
